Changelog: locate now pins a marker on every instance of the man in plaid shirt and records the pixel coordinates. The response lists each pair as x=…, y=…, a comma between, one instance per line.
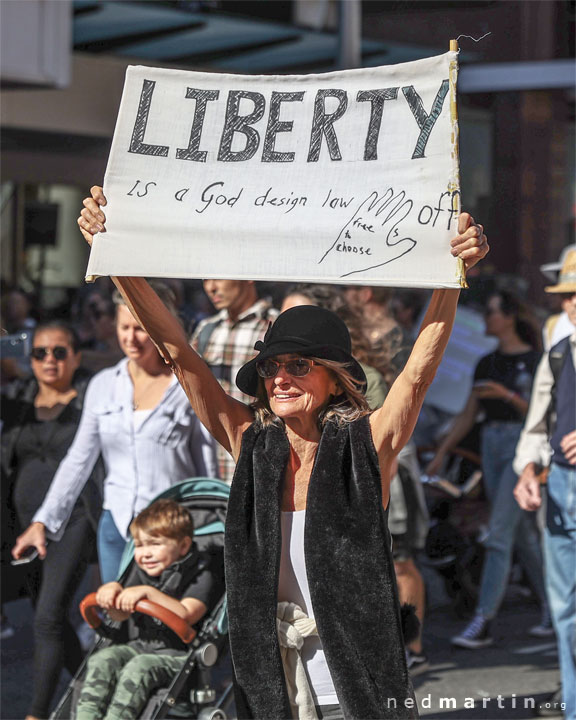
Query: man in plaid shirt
x=226, y=340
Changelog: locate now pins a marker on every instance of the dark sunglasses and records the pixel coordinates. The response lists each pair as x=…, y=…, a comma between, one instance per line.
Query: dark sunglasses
x=298, y=367
x=59, y=352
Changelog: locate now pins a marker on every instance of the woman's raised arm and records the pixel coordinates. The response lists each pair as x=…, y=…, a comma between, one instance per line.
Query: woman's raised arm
x=392, y=425
x=224, y=417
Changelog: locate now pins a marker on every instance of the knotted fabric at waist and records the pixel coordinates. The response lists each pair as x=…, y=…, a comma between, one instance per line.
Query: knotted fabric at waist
x=293, y=627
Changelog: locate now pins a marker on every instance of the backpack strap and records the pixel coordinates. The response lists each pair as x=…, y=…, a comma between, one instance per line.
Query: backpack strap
x=549, y=327
x=556, y=358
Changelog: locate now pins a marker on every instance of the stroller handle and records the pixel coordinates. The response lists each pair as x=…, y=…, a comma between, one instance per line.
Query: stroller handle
x=177, y=624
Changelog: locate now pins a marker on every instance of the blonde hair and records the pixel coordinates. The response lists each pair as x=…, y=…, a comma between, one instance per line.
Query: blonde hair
x=345, y=408
x=164, y=292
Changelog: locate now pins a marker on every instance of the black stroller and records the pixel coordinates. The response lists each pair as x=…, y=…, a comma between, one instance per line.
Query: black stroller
x=192, y=693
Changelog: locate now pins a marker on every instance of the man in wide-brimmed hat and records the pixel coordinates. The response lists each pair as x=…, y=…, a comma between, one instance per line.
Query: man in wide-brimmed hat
x=549, y=440
x=557, y=326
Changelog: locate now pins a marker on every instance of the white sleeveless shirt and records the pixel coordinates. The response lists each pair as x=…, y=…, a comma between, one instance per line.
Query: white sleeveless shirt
x=293, y=587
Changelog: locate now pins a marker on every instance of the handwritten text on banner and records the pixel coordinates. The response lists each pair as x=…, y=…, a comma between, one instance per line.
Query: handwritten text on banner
x=347, y=177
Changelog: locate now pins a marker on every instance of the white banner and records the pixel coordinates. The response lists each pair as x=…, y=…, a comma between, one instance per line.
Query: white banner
x=347, y=177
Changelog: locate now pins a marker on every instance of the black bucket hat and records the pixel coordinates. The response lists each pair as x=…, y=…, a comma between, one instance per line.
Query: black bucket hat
x=306, y=330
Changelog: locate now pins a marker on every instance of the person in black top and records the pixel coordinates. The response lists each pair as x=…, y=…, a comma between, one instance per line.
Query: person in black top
x=40, y=417
x=501, y=392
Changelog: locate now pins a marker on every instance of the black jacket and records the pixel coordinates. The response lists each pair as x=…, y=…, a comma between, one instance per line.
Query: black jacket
x=16, y=410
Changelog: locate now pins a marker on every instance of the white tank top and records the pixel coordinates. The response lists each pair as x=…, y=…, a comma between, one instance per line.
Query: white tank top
x=293, y=587
x=139, y=416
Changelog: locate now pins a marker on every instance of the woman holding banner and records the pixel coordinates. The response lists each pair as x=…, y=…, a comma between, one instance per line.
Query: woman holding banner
x=314, y=617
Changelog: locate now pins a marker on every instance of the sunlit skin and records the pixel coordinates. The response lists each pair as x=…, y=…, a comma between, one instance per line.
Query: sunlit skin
x=51, y=373
x=154, y=553
x=133, y=339
x=236, y=296
x=227, y=419
x=569, y=307
x=299, y=400
x=295, y=300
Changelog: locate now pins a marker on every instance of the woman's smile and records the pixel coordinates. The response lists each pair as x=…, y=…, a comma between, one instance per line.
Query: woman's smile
x=291, y=396
x=285, y=396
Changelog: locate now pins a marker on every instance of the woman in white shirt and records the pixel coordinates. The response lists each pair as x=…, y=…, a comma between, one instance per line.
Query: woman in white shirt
x=138, y=417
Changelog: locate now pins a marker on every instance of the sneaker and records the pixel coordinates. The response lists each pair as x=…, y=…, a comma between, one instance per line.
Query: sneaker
x=544, y=627
x=417, y=662
x=476, y=635
x=551, y=707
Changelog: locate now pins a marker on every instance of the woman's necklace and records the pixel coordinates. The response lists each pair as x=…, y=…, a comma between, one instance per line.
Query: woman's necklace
x=136, y=401
x=141, y=390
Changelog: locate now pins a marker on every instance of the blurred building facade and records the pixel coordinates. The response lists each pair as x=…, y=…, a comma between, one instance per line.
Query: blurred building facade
x=516, y=105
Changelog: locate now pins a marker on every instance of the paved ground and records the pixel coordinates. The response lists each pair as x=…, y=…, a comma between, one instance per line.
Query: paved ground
x=460, y=684
x=503, y=681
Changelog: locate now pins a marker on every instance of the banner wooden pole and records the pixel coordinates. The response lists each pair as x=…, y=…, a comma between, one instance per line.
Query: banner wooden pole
x=456, y=180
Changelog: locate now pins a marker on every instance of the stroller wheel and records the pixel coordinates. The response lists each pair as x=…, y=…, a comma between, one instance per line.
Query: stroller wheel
x=211, y=713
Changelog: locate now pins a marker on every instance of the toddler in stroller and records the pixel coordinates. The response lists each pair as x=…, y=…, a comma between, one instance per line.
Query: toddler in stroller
x=179, y=582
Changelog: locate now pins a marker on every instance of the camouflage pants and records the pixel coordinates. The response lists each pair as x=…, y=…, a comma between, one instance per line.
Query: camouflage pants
x=119, y=680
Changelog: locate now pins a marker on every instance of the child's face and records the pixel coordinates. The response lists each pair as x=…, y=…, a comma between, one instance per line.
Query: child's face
x=154, y=553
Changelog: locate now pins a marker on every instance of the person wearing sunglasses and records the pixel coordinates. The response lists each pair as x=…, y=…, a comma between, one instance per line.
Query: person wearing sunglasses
x=138, y=417
x=408, y=519
x=314, y=619
x=40, y=419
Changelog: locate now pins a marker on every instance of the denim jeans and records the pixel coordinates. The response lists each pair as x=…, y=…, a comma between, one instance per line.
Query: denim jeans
x=510, y=527
x=110, y=547
x=560, y=554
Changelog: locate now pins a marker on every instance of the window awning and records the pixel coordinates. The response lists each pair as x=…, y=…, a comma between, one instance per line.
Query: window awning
x=209, y=40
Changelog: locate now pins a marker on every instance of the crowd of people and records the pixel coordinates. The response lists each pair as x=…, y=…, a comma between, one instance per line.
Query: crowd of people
x=311, y=406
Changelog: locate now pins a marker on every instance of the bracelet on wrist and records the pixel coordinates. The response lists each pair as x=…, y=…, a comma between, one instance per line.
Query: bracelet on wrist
x=510, y=396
